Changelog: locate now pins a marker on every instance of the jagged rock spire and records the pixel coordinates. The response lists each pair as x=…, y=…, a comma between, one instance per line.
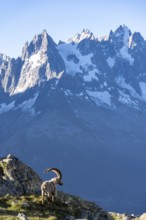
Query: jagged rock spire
x=85, y=34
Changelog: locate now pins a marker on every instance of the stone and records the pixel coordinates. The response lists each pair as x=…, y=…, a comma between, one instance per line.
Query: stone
x=86, y=210
x=21, y=216
x=143, y=217
x=16, y=178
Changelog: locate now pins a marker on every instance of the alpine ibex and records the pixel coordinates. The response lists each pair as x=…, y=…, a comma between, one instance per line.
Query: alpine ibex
x=48, y=188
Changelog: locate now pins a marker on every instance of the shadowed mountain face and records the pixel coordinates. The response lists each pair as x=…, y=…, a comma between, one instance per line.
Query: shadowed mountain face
x=80, y=106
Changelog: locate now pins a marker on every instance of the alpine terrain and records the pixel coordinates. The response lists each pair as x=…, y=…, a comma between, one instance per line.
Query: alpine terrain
x=80, y=106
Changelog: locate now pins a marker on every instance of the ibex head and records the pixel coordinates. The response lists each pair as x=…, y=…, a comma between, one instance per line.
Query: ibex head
x=58, y=178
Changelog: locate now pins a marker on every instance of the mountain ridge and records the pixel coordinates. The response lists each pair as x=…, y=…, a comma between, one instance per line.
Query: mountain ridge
x=88, y=59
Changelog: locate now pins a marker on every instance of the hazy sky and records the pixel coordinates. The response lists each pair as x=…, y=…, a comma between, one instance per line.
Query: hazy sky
x=20, y=20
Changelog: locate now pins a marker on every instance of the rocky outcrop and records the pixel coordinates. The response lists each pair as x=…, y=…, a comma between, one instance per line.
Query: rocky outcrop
x=85, y=209
x=16, y=178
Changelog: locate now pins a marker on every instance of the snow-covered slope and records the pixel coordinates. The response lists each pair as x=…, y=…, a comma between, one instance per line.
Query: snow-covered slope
x=80, y=106
x=113, y=66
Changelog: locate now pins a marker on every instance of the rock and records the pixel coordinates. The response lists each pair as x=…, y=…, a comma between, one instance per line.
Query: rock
x=21, y=216
x=85, y=209
x=25, y=205
x=124, y=216
x=69, y=218
x=143, y=217
x=16, y=178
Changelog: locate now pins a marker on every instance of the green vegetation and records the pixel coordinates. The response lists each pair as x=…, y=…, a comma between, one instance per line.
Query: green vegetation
x=31, y=206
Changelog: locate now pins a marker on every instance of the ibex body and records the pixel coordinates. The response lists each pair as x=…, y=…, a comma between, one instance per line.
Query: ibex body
x=48, y=188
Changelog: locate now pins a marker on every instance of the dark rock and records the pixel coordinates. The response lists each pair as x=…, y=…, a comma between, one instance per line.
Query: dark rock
x=85, y=209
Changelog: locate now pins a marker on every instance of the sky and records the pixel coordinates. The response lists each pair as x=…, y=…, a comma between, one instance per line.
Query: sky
x=20, y=20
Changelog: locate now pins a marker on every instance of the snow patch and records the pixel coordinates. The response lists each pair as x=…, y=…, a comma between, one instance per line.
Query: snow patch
x=71, y=67
x=124, y=53
x=111, y=62
x=126, y=99
x=124, y=50
x=28, y=104
x=126, y=34
x=91, y=75
x=6, y=107
x=131, y=43
x=121, y=82
x=100, y=97
x=143, y=89
x=67, y=92
x=37, y=59
x=105, y=84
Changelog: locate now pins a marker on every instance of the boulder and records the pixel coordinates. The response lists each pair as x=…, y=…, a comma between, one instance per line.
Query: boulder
x=16, y=178
x=143, y=217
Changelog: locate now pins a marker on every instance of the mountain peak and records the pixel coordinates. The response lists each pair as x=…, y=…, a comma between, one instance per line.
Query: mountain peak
x=85, y=34
x=122, y=33
x=122, y=29
x=4, y=57
x=39, y=42
x=44, y=32
x=136, y=39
